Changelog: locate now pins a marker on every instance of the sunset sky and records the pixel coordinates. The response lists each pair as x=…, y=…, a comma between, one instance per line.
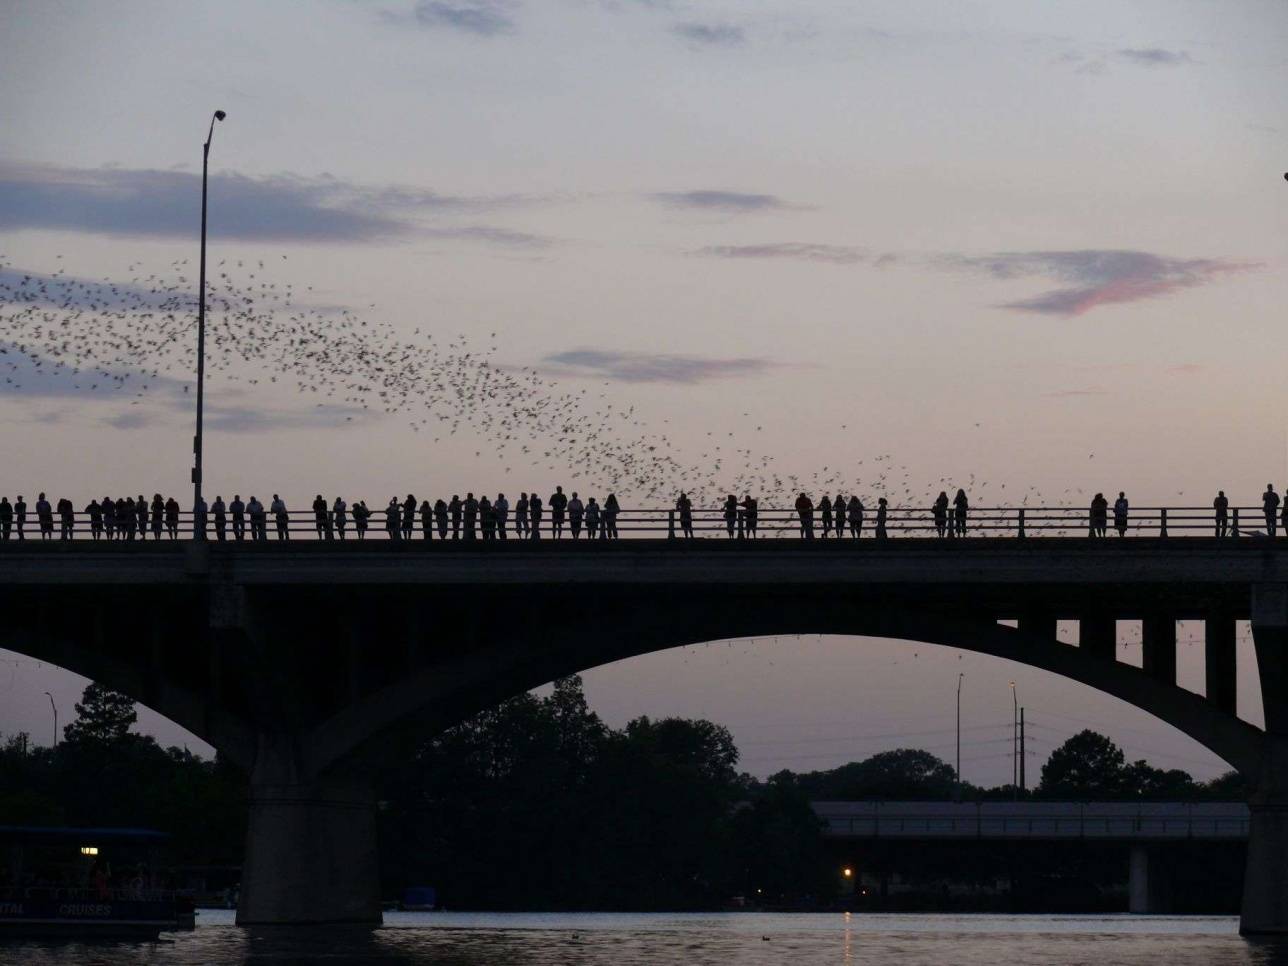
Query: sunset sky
x=1029, y=248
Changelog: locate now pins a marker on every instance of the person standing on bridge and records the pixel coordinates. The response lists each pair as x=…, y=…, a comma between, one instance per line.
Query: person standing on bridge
x=1284, y=517
x=6, y=518
x=611, y=509
x=854, y=513
x=501, y=507
x=199, y=519
x=125, y=518
x=730, y=514
x=1120, y=514
x=220, y=510
x=882, y=507
x=805, y=511
x=319, y=516
x=575, y=512
x=393, y=519
x=1270, y=504
x=20, y=516
x=487, y=518
x=237, y=508
x=825, y=514
x=1099, y=515
x=408, y=517
x=750, y=509
x=960, y=507
x=426, y=519
x=281, y=518
x=44, y=517
x=440, y=517
x=592, y=519
x=534, y=517
x=172, y=518
x=339, y=516
x=471, y=510
x=258, y=519
x=683, y=504
x=939, y=511
x=521, y=517
x=1221, y=510
x=141, y=516
x=157, y=509
x=360, y=517
x=95, y=511
x=66, y=519
x=558, y=504
x=454, y=507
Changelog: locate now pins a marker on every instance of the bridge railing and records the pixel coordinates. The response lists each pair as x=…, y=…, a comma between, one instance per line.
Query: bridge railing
x=654, y=522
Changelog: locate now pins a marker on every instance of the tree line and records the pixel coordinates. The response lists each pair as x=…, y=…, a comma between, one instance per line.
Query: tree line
x=538, y=804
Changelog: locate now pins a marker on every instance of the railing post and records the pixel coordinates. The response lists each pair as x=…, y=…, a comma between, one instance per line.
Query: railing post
x=1162, y=529
x=1021, y=533
x=1234, y=529
x=670, y=524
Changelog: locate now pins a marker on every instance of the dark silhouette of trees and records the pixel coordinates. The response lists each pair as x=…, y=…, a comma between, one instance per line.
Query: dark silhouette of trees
x=908, y=774
x=103, y=717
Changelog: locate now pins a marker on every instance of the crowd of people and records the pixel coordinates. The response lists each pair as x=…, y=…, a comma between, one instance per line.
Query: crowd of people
x=127, y=518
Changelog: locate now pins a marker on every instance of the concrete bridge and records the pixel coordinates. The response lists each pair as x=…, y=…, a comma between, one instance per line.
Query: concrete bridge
x=310, y=664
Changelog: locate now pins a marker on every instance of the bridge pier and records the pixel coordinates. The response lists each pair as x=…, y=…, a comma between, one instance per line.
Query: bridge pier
x=1147, y=887
x=311, y=853
x=1265, y=880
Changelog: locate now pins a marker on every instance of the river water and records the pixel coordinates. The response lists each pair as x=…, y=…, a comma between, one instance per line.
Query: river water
x=756, y=939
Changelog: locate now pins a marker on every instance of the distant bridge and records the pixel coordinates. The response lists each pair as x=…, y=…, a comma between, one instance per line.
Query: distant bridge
x=310, y=663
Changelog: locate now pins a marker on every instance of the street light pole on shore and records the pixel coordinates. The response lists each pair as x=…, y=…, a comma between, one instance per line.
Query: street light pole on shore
x=1015, y=742
x=959, y=735
x=201, y=328
x=55, y=709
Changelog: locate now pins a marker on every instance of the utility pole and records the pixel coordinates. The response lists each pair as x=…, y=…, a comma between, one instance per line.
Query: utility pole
x=1015, y=744
x=959, y=736
x=1022, y=784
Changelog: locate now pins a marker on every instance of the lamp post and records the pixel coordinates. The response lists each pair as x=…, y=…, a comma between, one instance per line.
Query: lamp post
x=201, y=328
x=959, y=735
x=1015, y=742
x=55, y=709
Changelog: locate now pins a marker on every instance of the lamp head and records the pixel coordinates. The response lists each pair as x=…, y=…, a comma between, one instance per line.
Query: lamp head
x=220, y=115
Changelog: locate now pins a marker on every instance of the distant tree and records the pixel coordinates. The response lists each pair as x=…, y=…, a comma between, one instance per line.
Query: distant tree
x=1086, y=766
x=908, y=774
x=1230, y=787
x=1142, y=780
x=103, y=716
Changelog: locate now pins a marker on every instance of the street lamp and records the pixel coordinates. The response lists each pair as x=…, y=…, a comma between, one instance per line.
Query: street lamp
x=201, y=330
x=959, y=735
x=1015, y=742
x=55, y=708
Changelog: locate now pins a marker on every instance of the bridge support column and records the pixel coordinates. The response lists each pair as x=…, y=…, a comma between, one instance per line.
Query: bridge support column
x=1265, y=880
x=1159, y=640
x=1098, y=636
x=1219, y=660
x=1147, y=892
x=311, y=854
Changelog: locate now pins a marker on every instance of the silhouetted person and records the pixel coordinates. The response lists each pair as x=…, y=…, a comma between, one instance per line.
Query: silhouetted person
x=281, y=517
x=393, y=519
x=471, y=511
x=258, y=519
x=750, y=510
x=1120, y=514
x=487, y=518
x=441, y=518
x=20, y=516
x=1221, y=508
x=501, y=507
x=730, y=514
x=825, y=516
x=576, y=510
x=454, y=508
x=109, y=517
x=1270, y=504
x=939, y=511
x=319, y=516
x=960, y=508
x=558, y=503
x=534, y=517
x=805, y=510
x=141, y=516
x=172, y=518
x=592, y=519
x=854, y=515
x=521, y=516
x=199, y=519
x=426, y=520
x=158, y=515
x=6, y=518
x=125, y=518
x=95, y=511
x=882, y=507
x=1284, y=518
x=608, y=528
x=360, y=517
x=220, y=510
x=408, y=516
x=66, y=519
x=238, y=509
x=339, y=516
x=683, y=504
x=1099, y=515
x=44, y=517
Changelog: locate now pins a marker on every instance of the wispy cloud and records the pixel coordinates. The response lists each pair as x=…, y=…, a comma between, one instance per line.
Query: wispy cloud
x=714, y=199
x=1154, y=57
x=710, y=34
x=286, y=207
x=482, y=18
x=1097, y=277
x=647, y=367
x=1075, y=393
x=794, y=251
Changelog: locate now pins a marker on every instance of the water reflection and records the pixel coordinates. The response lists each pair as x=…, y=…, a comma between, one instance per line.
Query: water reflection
x=718, y=940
